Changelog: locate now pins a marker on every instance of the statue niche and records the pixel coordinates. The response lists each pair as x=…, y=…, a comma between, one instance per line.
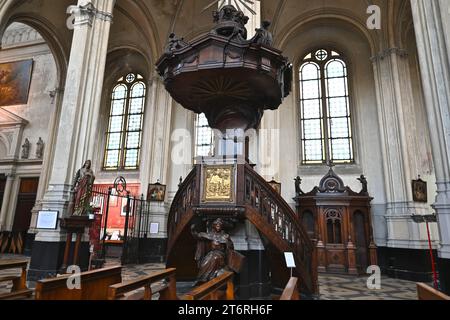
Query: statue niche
x=215, y=252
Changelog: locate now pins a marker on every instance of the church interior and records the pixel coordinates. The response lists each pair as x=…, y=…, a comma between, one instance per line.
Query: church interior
x=225, y=149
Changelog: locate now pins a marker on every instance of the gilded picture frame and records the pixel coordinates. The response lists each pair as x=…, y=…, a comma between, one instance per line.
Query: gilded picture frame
x=218, y=185
x=15, y=81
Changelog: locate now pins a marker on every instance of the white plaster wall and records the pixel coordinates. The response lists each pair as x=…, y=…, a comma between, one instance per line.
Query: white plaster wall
x=40, y=106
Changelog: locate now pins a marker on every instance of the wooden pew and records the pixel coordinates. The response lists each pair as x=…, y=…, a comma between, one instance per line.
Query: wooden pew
x=94, y=285
x=291, y=290
x=212, y=290
x=19, y=289
x=167, y=292
x=425, y=292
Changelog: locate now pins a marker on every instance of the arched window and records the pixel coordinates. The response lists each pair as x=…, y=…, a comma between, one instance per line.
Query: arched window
x=325, y=109
x=124, y=135
x=204, y=137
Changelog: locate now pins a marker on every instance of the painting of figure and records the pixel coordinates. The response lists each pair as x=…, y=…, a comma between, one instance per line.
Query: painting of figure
x=156, y=192
x=15, y=78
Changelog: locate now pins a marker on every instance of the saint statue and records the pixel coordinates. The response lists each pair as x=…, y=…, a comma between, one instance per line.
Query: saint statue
x=174, y=43
x=363, y=181
x=26, y=149
x=85, y=171
x=213, y=251
x=40, y=149
x=298, y=190
x=82, y=190
x=263, y=35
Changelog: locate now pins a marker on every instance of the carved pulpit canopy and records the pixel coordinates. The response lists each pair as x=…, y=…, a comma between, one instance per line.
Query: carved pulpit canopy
x=230, y=79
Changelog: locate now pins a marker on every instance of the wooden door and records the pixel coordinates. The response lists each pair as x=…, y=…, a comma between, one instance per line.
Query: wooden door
x=25, y=203
x=361, y=241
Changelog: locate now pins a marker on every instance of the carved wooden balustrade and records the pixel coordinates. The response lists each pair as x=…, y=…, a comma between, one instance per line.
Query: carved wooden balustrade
x=181, y=211
x=273, y=217
x=263, y=207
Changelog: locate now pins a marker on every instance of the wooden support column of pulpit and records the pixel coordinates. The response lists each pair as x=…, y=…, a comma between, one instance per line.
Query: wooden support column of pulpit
x=73, y=225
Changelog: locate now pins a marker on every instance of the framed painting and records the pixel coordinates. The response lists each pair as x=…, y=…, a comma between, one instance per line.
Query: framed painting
x=420, y=193
x=15, y=80
x=156, y=192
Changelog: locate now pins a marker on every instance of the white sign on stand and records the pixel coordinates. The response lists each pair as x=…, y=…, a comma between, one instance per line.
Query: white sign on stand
x=290, y=261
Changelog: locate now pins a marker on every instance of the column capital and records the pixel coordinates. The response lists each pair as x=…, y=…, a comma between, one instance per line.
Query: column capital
x=85, y=14
x=387, y=52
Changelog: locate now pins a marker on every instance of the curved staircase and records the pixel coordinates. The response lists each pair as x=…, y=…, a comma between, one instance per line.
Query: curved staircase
x=257, y=202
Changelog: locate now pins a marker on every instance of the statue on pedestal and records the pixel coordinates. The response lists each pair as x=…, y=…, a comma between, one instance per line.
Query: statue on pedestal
x=26, y=149
x=82, y=189
x=214, y=251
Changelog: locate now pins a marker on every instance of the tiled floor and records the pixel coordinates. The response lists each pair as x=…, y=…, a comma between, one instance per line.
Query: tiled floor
x=332, y=287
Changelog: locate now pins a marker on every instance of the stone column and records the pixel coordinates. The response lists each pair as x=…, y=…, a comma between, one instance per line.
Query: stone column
x=78, y=124
x=432, y=24
x=6, y=201
x=402, y=149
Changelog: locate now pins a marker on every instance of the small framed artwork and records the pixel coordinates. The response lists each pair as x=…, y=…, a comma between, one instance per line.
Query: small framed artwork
x=275, y=186
x=420, y=191
x=156, y=192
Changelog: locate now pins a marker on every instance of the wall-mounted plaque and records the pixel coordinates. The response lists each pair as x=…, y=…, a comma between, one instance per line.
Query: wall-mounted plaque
x=47, y=220
x=420, y=191
x=218, y=184
x=15, y=79
x=154, y=228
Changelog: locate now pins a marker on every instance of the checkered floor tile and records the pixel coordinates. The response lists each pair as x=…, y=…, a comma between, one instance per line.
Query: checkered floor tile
x=332, y=287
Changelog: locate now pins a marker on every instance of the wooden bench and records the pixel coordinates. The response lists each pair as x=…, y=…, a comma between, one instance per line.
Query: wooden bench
x=212, y=289
x=94, y=285
x=19, y=288
x=167, y=291
x=291, y=290
x=425, y=292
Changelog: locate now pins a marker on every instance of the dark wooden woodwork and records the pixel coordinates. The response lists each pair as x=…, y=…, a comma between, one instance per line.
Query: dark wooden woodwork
x=260, y=204
x=167, y=292
x=73, y=225
x=228, y=78
x=19, y=289
x=425, y=292
x=25, y=203
x=291, y=290
x=213, y=290
x=339, y=221
x=94, y=285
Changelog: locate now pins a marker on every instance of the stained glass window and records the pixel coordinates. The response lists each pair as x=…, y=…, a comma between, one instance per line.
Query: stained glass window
x=325, y=109
x=204, y=137
x=124, y=135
